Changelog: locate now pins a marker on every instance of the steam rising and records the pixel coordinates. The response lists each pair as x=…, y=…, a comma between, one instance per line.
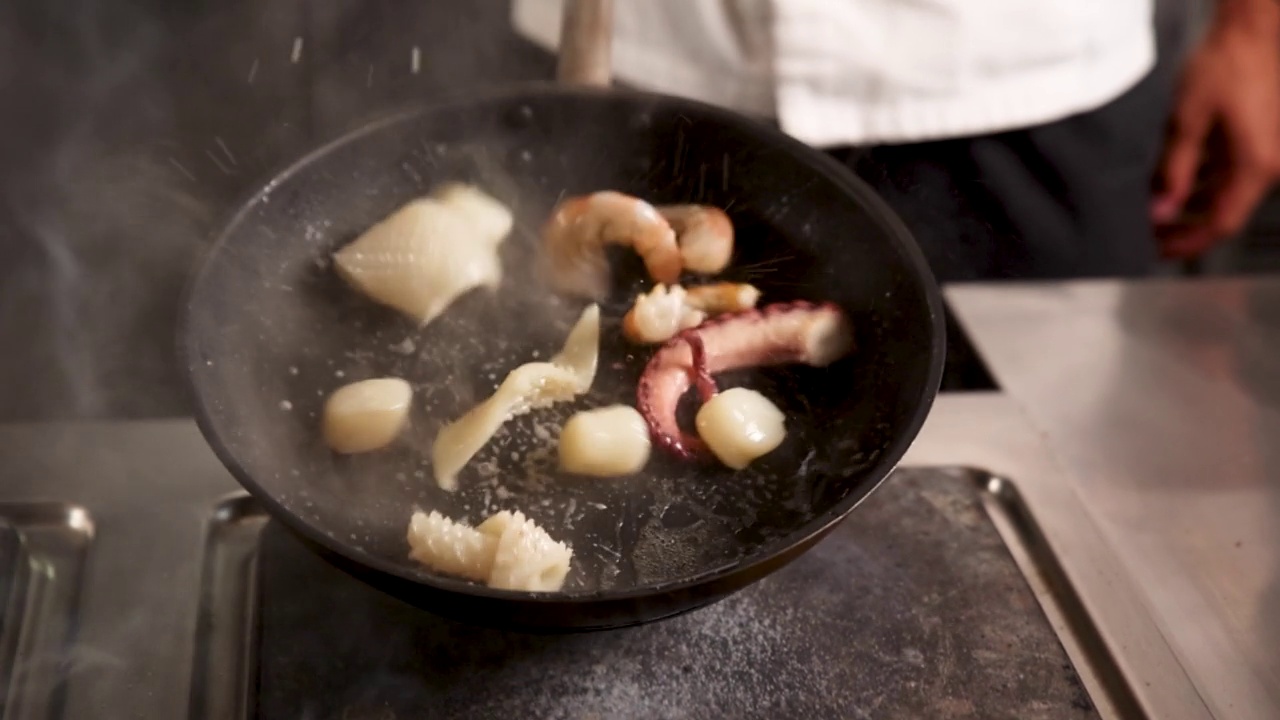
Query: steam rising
x=133, y=128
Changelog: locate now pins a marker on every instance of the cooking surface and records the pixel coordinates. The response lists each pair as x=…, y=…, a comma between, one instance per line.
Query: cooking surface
x=146, y=586
x=1163, y=400
x=917, y=610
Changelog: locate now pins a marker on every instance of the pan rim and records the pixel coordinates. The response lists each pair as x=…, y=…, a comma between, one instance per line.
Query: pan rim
x=750, y=564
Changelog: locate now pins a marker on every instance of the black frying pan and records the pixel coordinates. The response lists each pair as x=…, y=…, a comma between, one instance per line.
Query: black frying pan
x=270, y=331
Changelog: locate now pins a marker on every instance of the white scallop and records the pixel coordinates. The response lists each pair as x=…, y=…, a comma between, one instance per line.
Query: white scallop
x=605, y=442
x=367, y=415
x=740, y=425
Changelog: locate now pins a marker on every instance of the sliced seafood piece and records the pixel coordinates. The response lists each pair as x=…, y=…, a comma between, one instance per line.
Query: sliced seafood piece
x=450, y=547
x=529, y=386
x=527, y=558
x=429, y=253
x=487, y=214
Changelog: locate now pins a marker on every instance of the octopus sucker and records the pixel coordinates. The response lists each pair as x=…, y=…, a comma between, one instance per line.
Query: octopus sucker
x=799, y=332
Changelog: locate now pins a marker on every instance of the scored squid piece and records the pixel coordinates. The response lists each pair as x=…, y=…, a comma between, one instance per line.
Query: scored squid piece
x=367, y=415
x=610, y=441
x=430, y=252
x=450, y=547
x=656, y=316
x=507, y=551
x=528, y=387
x=526, y=557
x=740, y=425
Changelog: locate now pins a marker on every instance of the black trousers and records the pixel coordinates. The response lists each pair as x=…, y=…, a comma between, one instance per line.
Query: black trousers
x=1067, y=199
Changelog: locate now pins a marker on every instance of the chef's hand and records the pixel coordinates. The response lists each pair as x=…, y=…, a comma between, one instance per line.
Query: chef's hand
x=1230, y=93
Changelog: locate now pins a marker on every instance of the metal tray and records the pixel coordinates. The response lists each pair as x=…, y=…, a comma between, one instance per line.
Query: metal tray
x=43, y=551
x=225, y=674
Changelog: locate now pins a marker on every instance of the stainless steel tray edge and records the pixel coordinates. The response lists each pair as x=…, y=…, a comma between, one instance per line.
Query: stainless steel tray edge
x=224, y=667
x=56, y=539
x=1089, y=652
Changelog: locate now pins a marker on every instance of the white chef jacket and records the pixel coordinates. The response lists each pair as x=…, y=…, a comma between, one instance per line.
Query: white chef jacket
x=835, y=72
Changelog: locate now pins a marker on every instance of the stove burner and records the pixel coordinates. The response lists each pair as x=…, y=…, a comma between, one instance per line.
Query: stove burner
x=913, y=608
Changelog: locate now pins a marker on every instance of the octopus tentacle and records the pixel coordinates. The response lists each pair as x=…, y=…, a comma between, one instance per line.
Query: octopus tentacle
x=814, y=334
x=702, y=379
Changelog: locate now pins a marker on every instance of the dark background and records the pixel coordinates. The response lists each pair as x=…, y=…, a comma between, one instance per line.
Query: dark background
x=132, y=127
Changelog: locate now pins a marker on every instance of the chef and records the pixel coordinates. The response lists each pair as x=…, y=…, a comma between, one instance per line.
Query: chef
x=1017, y=138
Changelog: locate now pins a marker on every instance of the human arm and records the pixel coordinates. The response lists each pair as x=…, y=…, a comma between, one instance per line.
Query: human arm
x=1230, y=91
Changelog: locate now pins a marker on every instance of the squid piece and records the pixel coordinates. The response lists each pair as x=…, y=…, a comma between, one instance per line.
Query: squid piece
x=526, y=557
x=580, y=228
x=450, y=547
x=528, y=387
x=367, y=415
x=740, y=425
x=664, y=311
x=430, y=252
x=610, y=441
x=507, y=551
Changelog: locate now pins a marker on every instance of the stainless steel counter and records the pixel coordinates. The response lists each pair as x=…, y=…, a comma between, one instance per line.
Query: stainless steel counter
x=1162, y=399
x=116, y=514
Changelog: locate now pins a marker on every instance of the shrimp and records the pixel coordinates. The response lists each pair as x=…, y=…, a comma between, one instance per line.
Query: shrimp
x=704, y=234
x=664, y=311
x=722, y=297
x=580, y=227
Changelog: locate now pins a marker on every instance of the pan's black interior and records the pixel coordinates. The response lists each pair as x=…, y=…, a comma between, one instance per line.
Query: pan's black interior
x=271, y=331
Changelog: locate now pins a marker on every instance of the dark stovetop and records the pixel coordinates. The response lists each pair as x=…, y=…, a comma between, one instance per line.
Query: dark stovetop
x=915, y=609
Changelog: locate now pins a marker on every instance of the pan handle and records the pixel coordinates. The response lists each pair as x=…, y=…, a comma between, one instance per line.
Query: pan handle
x=586, y=37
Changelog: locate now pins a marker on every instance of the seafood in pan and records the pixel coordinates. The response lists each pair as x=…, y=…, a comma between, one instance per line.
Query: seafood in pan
x=429, y=253
x=435, y=249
